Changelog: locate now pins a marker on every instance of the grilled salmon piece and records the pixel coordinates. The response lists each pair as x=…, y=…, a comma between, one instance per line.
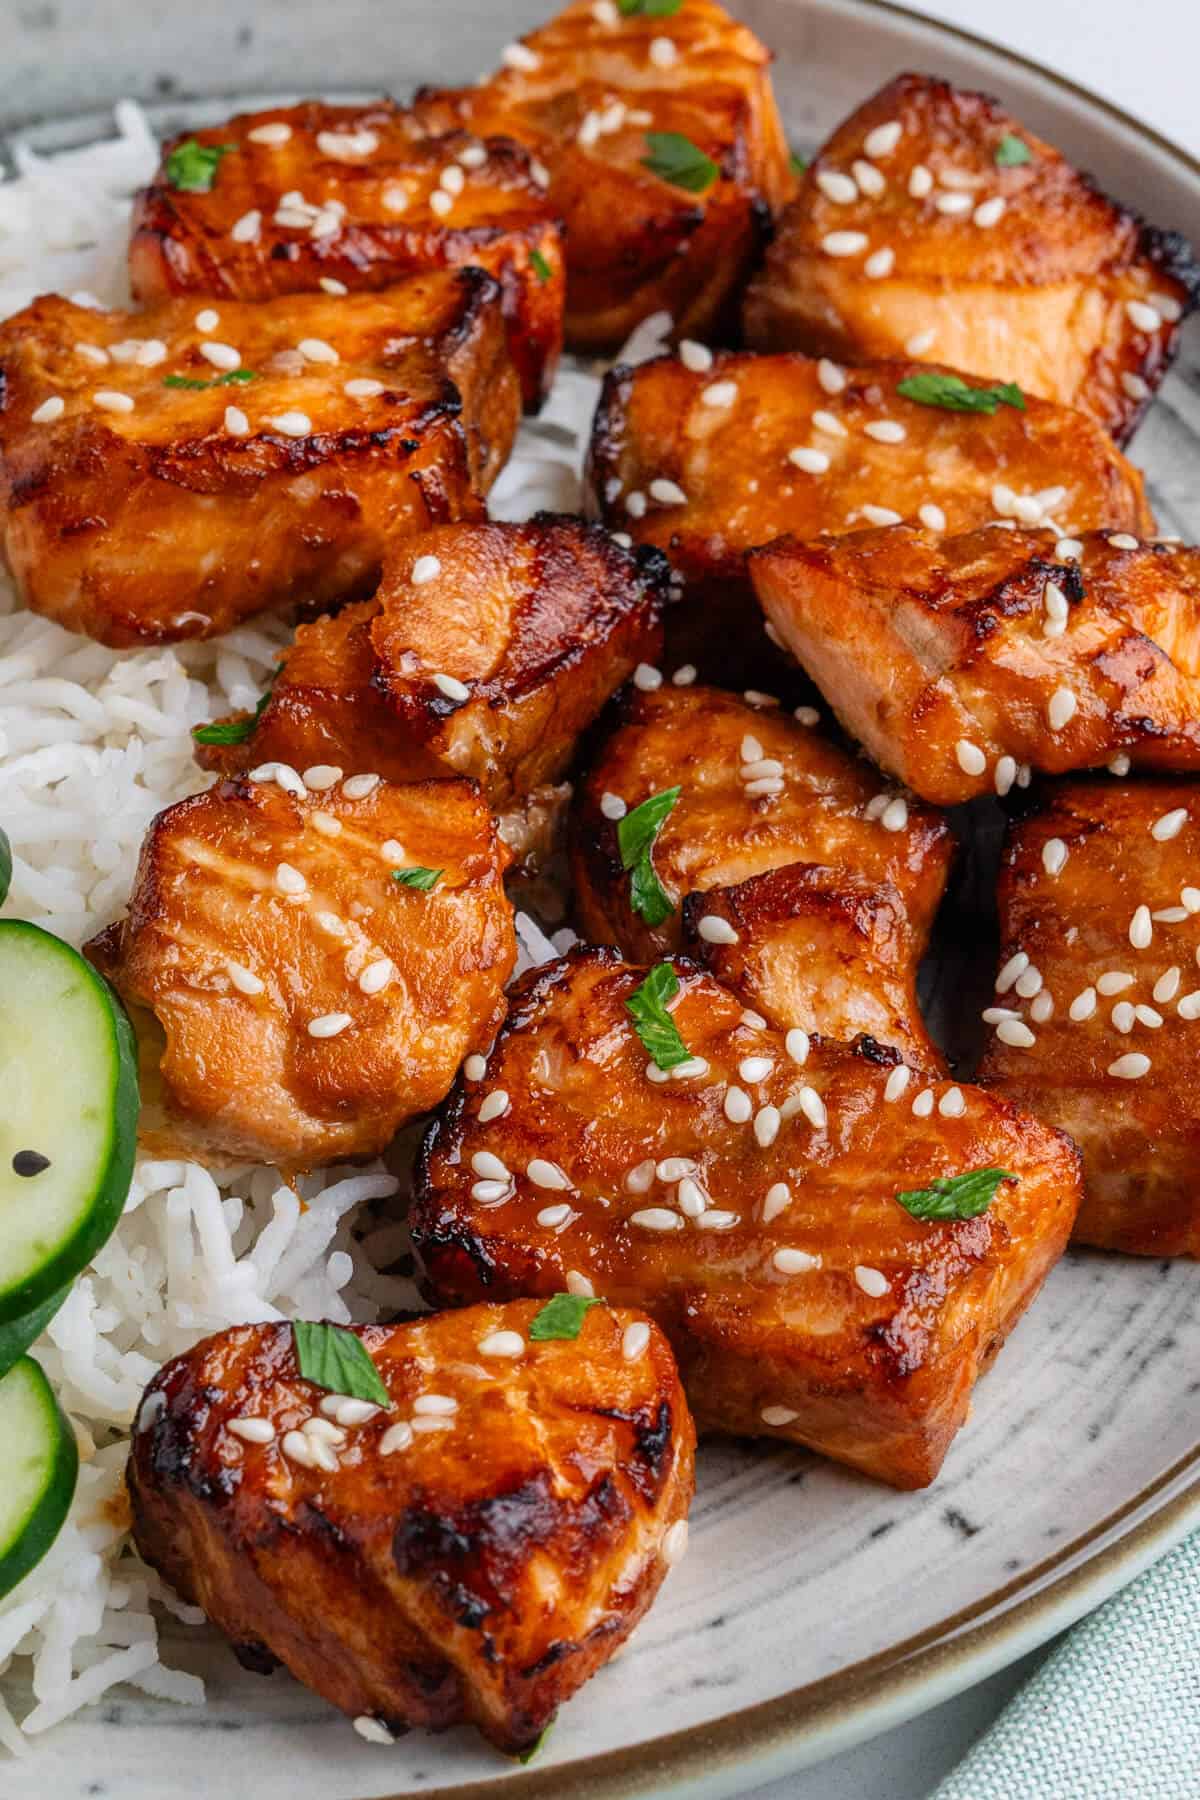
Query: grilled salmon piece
x=961, y=663
x=708, y=463
x=485, y=652
x=663, y=152
x=356, y=197
x=1096, y=1026
x=802, y=1299
x=474, y=1552
x=816, y=949
x=308, y=998
x=153, y=491
x=934, y=224
x=757, y=791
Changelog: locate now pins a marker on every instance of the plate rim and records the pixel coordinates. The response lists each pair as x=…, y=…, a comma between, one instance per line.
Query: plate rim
x=776, y=1737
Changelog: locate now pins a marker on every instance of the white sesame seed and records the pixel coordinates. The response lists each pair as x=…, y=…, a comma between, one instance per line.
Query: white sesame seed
x=1190, y=899
x=520, y=56
x=246, y=230
x=654, y=1073
x=667, y=493
x=738, y=1105
x=236, y=423
x=778, y=1197
x=1068, y=549
x=244, y=980
x=830, y=377
x=357, y=787
x=429, y=1425
x=452, y=179
x=1062, y=708
x=1083, y=1005
x=1004, y=774
x=1167, y=307
x=813, y=1107
x=299, y=1449
x=796, y=1043
x=362, y=387
x=685, y=675
x=826, y=422
x=844, y=243
x=612, y=806
x=970, y=757
x=221, y=356
x=1170, y=915
x=663, y=52
x=1121, y=540
x=329, y=922
x=253, y=1431
x=1054, y=856
x=886, y=431
x=397, y=1437
x=344, y=1409
x=932, y=517
x=289, y=880
x=696, y=357
x=768, y=766
x=1141, y=316
x=920, y=182
x=952, y=1104
x=896, y=1082
x=1015, y=1033
x=880, y=264
x=992, y=1015
x=720, y=394
x=1169, y=825
x=795, y=1262
x=374, y=1730
x=1133, y=385
x=990, y=212
x=551, y=1217
x=689, y=1070
x=1167, y=985
x=920, y=342
x=1130, y=1067
x=922, y=1106
x=766, y=1126
x=325, y=1430
x=656, y=1218
x=545, y=1174
x=490, y=1193
x=425, y=569
x=438, y=1406
x=451, y=686
x=868, y=177
x=483, y=1162
x=1141, y=929
x=1114, y=981
x=1016, y=965
x=675, y=1542
x=1120, y=764
x=578, y=1283
x=328, y=1025
x=291, y=424
x=778, y=1415
x=392, y=850
x=502, y=1343
x=836, y=186
x=754, y=1020
x=1189, y=1006
x=493, y=1105
x=92, y=353
x=952, y=205
x=274, y=133
x=755, y=1068
x=347, y=146
x=634, y=1340
x=715, y=1219
x=812, y=462
x=1028, y=983
x=646, y=678
x=883, y=139
x=108, y=400
x=316, y=350
x=872, y=1281
x=50, y=409
x=1146, y=1015
x=605, y=13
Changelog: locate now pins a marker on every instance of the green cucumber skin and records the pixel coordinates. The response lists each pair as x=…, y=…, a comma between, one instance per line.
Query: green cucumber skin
x=112, y=1187
x=58, y=1491
x=5, y=865
x=18, y=1334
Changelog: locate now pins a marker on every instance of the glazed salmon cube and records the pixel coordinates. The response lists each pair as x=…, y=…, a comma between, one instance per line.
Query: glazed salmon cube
x=164, y=475
x=661, y=148
x=934, y=224
x=1095, y=1020
x=309, y=962
x=963, y=663
x=475, y=1550
x=349, y=199
x=802, y=1296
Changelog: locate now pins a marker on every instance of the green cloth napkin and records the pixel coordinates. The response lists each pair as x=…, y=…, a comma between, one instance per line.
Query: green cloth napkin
x=1113, y=1713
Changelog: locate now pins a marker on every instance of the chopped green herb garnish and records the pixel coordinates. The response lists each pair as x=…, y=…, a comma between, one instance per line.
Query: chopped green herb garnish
x=5, y=866
x=232, y=731
x=676, y=159
x=562, y=1317
x=647, y=1006
x=192, y=167
x=636, y=834
x=953, y=394
x=955, y=1196
x=1011, y=151
x=527, y=1756
x=649, y=9
x=797, y=163
x=235, y=378
x=337, y=1360
x=424, y=879
x=541, y=269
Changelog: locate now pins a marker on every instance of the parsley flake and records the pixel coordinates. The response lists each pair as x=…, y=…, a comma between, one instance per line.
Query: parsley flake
x=676, y=159
x=955, y=1196
x=797, y=163
x=192, y=167
x=337, y=1360
x=541, y=267
x=647, y=1007
x=527, y=1756
x=1011, y=152
x=5, y=866
x=422, y=879
x=561, y=1317
x=636, y=834
x=649, y=9
x=235, y=378
x=953, y=394
x=235, y=731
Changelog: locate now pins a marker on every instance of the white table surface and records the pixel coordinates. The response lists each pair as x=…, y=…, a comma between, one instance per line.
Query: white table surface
x=1142, y=58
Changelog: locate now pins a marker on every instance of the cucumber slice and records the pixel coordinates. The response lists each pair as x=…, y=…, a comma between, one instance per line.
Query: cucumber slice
x=41, y=1464
x=5, y=866
x=68, y=1123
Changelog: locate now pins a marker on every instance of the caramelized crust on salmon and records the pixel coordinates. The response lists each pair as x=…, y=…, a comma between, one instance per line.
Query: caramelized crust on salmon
x=706, y=464
x=474, y=1552
x=485, y=652
x=162, y=479
x=1096, y=1026
x=816, y=949
x=961, y=663
x=758, y=791
x=356, y=197
x=663, y=152
x=802, y=1299
x=310, y=1000
x=934, y=224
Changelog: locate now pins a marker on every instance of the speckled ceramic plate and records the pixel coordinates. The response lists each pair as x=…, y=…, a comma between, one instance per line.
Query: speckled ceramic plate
x=814, y=1608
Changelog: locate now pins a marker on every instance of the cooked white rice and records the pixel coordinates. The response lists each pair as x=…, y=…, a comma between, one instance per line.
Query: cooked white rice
x=87, y=735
